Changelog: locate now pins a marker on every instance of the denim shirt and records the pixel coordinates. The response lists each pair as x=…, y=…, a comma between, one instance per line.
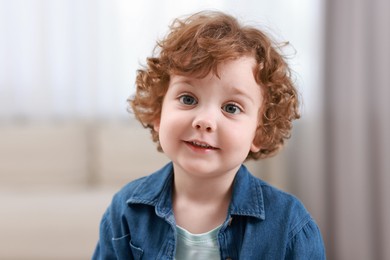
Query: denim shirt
x=262, y=222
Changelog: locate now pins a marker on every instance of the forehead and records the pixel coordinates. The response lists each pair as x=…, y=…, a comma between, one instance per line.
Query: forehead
x=243, y=67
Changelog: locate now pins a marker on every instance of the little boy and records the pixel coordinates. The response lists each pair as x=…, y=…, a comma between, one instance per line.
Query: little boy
x=216, y=94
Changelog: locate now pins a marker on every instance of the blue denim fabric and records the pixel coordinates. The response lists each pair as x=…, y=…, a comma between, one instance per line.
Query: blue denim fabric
x=262, y=222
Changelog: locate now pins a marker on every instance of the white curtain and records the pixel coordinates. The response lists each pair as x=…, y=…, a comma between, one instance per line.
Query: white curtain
x=63, y=59
x=357, y=127
x=76, y=59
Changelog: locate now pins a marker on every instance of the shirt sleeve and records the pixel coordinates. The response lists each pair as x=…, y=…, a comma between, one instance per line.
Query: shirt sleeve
x=306, y=243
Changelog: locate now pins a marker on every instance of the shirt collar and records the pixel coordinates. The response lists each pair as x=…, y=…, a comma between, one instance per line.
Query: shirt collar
x=156, y=189
x=247, y=199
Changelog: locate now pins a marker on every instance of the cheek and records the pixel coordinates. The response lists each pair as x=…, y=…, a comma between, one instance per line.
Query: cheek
x=248, y=135
x=167, y=125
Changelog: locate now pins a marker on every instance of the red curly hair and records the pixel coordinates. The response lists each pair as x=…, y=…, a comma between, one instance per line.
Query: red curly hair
x=195, y=46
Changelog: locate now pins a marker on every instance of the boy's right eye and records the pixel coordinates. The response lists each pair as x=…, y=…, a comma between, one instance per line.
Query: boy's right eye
x=187, y=100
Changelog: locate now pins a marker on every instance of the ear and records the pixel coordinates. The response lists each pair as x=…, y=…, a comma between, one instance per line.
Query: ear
x=156, y=125
x=255, y=148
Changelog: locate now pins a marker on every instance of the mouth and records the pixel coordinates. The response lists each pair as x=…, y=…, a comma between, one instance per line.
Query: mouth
x=201, y=145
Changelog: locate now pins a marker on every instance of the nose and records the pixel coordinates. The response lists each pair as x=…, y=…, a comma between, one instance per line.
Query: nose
x=204, y=122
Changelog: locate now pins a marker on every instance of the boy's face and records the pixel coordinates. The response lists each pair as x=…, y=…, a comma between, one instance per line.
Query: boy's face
x=208, y=125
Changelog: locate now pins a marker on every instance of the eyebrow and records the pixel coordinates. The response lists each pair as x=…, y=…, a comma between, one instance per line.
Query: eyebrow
x=182, y=80
x=235, y=91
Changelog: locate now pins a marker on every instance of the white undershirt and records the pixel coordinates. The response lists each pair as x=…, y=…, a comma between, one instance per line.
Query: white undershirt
x=197, y=246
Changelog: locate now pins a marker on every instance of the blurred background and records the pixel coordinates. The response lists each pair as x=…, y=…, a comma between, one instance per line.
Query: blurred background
x=67, y=142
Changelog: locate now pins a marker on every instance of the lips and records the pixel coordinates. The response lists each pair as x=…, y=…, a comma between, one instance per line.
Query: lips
x=202, y=145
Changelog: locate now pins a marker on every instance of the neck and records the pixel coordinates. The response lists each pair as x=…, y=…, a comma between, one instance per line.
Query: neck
x=201, y=203
x=203, y=189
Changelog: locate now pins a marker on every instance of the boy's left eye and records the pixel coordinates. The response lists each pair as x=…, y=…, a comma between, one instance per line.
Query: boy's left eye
x=232, y=109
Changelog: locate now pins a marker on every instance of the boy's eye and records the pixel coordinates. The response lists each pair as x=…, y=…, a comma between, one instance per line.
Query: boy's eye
x=187, y=100
x=232, y=109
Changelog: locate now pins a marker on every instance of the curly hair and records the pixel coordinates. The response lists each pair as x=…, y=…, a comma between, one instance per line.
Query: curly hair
x=195, y=46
